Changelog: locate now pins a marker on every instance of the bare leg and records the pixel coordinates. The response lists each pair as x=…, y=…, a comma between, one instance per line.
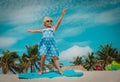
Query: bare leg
x=57, y=64
x=42, y=63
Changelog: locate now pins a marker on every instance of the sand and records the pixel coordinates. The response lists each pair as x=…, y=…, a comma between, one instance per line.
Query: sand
x=89, y=76
x=77, y=67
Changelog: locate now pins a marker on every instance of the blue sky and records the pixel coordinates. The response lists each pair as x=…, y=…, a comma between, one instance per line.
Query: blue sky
x=86, y=24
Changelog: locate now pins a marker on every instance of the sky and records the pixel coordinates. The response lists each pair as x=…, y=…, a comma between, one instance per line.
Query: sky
x=86, y=25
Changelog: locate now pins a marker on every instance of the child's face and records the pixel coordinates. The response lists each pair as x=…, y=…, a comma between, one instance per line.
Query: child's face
x=48, y=22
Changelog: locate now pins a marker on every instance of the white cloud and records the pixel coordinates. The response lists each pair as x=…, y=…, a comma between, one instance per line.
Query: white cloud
x=13, y=35
x=74, y=51
x=65, y=42
x=7, y=41
x=108, y=17
x=24, y=12
x=18, y=12
x=86, y=19
x=84, y=43
x=77, y=17
x=20, y=32
x=26, y=15
x=95, y=4
x=70, y=32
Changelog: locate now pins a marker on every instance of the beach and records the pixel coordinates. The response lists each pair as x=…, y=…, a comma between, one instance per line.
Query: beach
x=89, y=76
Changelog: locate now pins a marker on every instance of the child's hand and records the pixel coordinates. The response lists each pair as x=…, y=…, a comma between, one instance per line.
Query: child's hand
x=64, y=11
x=29, y=30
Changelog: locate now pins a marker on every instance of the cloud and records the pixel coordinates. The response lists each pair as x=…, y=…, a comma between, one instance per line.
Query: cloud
x=70, y=32
x=77, y=17
x=71, y=43
x=108, y=17
x=24, y=15
x=13, y=35
x=74, y=51
x=7, y=41
x=84, y=43
x=96, y=4
x=19, y=31
x=29, y=11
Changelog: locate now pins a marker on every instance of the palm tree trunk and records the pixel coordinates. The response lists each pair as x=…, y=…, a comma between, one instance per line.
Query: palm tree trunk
x=12, y=70
x=37, y=67
x=32, y=67
x=104, y=65
x=90, y=66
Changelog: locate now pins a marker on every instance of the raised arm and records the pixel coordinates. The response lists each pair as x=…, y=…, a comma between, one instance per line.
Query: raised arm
x=34, y=30
x=59, y=20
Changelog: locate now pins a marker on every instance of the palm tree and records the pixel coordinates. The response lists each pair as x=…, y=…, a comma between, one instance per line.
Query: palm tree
x=0, y=64
x=0, y=61
x=24, y=64
x=8, y=62
x=118, y=59
x=90, y=62
x=32, y=57
x=77, y=60
x=50, y=66
x=107, y=54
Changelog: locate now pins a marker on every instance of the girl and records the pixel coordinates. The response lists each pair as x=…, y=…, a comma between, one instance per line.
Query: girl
x=47, y=47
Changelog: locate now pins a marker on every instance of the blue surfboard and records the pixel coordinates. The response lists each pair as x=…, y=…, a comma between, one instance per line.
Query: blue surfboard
x=67, y=73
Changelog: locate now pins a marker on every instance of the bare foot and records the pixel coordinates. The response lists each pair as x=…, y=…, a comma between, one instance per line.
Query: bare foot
x=61, y=72
x=40, y=72
x=45, y=70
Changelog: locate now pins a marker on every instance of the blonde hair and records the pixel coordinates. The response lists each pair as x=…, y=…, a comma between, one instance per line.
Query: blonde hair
x=44, y=20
